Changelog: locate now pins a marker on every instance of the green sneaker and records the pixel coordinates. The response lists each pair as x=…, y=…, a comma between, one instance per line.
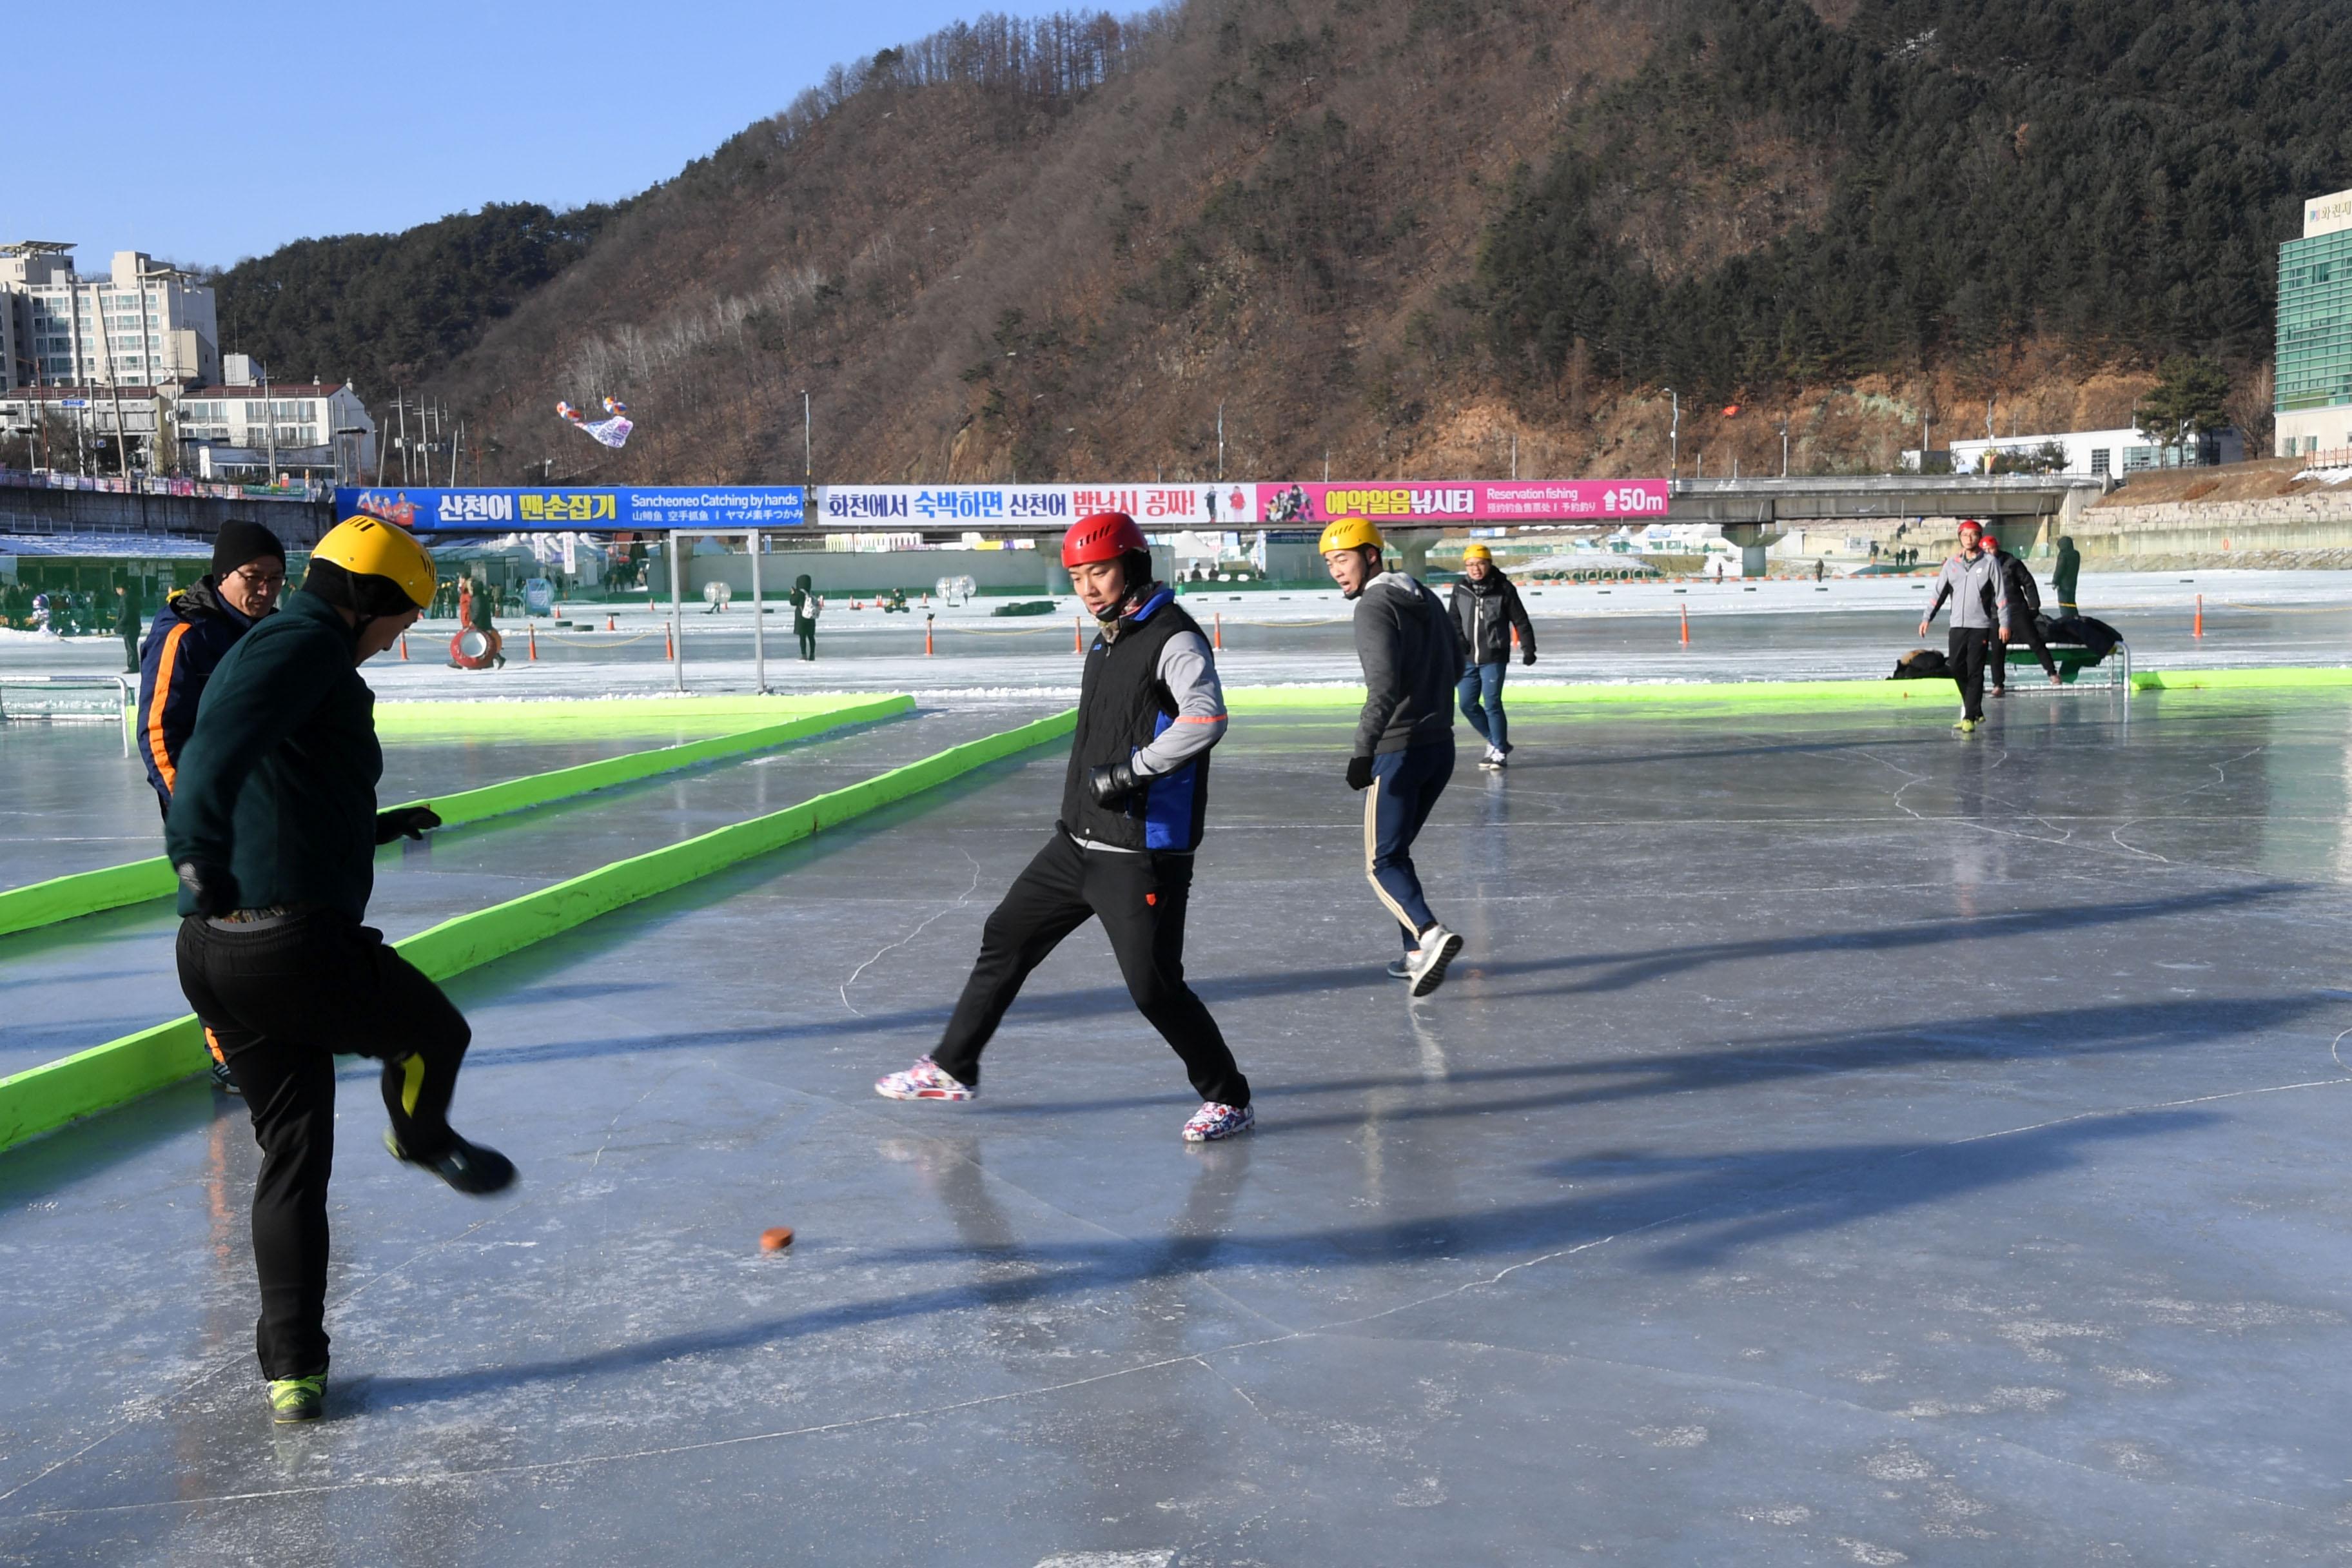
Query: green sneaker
x=293, y=1399
x=1966, y=726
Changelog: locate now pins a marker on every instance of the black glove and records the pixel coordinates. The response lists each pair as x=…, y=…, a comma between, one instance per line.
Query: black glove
x=1112, y=785
x=1529, y=657
x=1359, y=773
x=212, y=888
x=404, y=822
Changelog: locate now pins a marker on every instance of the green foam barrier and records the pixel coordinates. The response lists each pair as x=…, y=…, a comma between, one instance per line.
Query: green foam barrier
x=2237, y=680
x=113, y=887
x=45, y=1098
x=513, y=719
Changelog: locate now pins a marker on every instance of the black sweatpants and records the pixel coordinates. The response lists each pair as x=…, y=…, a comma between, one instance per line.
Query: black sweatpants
x=1966, y=651
x=279, y=1000
x=1140, y=900
x=805, y=630
x=1998, y=658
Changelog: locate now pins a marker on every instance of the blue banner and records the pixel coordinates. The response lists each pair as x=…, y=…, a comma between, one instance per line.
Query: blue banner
x=590, y=509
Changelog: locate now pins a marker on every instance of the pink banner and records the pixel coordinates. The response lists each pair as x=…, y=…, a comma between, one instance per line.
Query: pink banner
x=1303, y=505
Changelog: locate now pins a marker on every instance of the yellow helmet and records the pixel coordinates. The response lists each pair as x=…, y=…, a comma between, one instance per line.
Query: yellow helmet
x=370, y=547
x=1476, y=552
x=1351, y=534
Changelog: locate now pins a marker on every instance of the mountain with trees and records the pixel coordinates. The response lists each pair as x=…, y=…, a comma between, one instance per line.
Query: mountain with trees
x=1403, y=236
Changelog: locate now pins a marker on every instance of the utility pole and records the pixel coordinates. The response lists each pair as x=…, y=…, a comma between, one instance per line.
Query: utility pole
x=1674, y=435
x=1220, y=443
x=1784, y=448
x=808, y=443
x=400, y=406
x=269, y=413
x=1515, y=454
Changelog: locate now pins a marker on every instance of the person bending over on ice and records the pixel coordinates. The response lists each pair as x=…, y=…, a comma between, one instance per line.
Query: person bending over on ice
x=1133, y=806
x=2022, y=623
x=1972, y=581
x=1486, y=609
x=1405, y=738
x=273, y=831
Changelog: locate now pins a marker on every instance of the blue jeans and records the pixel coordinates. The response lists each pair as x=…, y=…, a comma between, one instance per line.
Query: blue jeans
x=1483, y=683
x=1405, y=786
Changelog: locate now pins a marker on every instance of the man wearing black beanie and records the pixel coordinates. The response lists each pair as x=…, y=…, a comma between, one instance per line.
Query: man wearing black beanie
x=193, y=633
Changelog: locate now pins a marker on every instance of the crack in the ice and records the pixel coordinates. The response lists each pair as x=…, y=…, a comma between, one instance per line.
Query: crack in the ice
x=922, y=926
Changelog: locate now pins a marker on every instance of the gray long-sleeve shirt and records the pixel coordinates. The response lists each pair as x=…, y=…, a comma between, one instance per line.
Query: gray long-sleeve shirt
x=1968, y=582
x=1189, y=674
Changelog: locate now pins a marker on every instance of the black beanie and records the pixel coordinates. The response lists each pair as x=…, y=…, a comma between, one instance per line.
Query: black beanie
x=239, y=541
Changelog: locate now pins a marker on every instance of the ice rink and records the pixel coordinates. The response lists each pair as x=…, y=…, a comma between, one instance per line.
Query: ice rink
x=1841, y=1141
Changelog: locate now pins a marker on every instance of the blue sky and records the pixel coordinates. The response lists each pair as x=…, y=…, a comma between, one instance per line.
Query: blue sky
x=267, y=122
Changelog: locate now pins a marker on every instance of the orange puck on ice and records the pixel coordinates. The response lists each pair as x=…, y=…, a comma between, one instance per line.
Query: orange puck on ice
x=775, y=1238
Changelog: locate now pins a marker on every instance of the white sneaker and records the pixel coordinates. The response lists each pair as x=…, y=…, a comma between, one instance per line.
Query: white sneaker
x=1437, y=949
x=924, y=1080
x=1214, y=1121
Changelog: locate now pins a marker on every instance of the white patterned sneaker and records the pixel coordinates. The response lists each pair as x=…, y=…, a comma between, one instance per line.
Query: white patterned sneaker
x=1214, y=1121
x=924, y=1080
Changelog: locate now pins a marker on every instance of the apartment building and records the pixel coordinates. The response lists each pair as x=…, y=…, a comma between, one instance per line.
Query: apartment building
x=139, y=324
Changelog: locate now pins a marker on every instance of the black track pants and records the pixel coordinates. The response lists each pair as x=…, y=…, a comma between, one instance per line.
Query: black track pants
x=1140, y=900
x=2029, y=629
x=279, y=1001
x=1967, y=652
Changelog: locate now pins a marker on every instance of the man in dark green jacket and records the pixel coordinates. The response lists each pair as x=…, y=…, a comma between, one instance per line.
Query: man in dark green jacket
x=273, y=830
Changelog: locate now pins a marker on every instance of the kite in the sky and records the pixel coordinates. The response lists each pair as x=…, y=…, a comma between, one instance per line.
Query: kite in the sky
x=613, y=432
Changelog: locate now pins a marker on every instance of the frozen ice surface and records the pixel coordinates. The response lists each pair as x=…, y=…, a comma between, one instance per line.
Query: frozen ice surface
x=1841, y=1141
x=1777, y=629
x=84, y=982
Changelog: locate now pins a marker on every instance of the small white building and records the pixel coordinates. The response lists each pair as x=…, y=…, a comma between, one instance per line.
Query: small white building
x=2095, y=454
x=307, y=427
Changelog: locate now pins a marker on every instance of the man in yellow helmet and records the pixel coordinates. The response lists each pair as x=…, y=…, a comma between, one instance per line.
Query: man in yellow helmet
x=1404, y=737
x=1488, y=616
x=273, y=829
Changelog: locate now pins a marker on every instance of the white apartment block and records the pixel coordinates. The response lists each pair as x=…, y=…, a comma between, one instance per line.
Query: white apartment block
x=140, y=325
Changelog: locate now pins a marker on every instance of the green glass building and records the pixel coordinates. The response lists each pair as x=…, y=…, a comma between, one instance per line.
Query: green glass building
x=2314, y=376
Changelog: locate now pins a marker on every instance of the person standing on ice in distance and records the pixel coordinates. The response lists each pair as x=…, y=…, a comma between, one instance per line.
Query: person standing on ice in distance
x=1486, y=609
x=1133, y=806
x=805, y=606
x=1972, y=579
x=273, y=833
x=1405, y=738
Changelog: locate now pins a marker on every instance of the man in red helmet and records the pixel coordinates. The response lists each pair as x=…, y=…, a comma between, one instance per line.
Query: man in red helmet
x=1133, y=805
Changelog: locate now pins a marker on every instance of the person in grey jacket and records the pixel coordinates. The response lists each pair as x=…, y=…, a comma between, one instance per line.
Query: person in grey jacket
x=1972, y=580
x=1405, y=738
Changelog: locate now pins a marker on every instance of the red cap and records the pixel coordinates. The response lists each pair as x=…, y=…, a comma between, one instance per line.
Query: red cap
x=1105, y=536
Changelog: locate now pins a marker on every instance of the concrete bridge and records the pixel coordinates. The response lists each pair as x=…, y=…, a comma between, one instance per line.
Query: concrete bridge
x=1755, y=514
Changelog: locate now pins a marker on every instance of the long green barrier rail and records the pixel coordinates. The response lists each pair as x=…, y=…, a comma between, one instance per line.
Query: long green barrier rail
x=113, y=887
x=45, y=1098
x=678, y=718
x=1777, y=693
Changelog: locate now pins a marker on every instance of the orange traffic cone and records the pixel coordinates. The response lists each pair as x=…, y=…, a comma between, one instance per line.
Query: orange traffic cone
x=2197, y=628
x=669, y=646
x=926, y=636
x=1685, y=626
x=403, y=648
x=1076, y=623
x=1220, y=631
x=612, y=624
x=534, y=643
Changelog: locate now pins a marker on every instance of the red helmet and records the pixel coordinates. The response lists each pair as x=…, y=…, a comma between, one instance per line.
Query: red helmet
x=1968, y=524
x=1105, y=536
